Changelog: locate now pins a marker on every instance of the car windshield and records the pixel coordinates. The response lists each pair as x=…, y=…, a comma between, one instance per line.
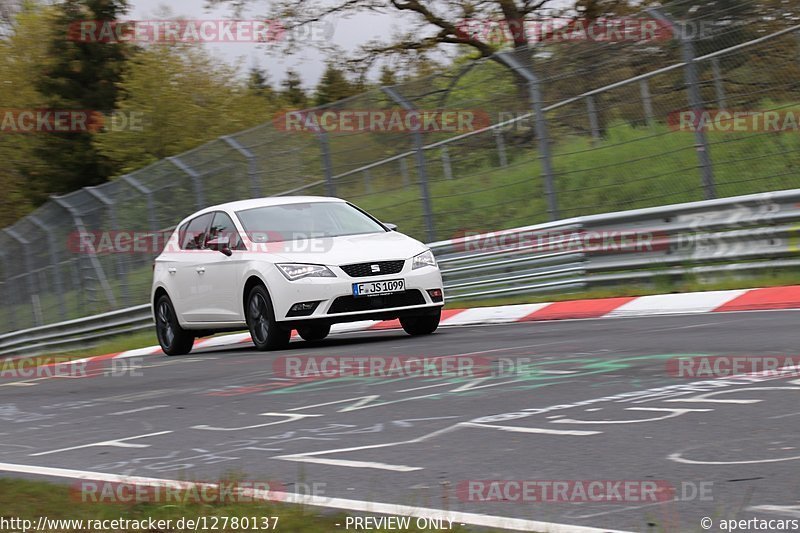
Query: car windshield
x=299, y=221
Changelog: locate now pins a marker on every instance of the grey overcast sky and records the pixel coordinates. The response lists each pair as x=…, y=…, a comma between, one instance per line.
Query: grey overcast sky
x=309, y=62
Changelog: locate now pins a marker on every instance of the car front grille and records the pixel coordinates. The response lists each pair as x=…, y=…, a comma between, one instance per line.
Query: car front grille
x=360, y=270
x=349, y=304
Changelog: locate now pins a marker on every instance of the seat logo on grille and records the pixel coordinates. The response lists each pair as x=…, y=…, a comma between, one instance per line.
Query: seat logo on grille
x=375, y=268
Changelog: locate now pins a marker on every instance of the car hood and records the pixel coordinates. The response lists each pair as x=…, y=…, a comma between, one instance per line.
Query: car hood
x=349, y=249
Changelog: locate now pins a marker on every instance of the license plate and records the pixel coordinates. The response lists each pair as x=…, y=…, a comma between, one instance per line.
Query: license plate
x=375, y=288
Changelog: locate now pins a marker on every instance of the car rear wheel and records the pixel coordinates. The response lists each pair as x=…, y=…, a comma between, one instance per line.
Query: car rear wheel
x=174, y=340
x=315, y=332
x=421, y=324
x=265, y=332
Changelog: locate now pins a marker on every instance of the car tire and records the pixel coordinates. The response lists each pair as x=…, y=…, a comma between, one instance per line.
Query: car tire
x=174, y=340
x=315, y=332
x=421, y=324
x=264, y=330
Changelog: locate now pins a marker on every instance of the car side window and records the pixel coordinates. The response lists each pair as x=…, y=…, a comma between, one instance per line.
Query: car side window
x=194, y=238
x=222, y=227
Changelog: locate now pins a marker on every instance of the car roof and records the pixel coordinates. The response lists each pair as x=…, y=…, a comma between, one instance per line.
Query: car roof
x=266, y=202
x=240, y=205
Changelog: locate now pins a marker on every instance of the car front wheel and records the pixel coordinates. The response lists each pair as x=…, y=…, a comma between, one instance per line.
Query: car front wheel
x=421, y=324
x=174, y=340
x=265, y=332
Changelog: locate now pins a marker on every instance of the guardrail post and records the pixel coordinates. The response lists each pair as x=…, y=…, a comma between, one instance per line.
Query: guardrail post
x=542, y=135
x=26, y=253
x=719, y=88
x=647, y=102
x=427, y=210
x=252, y=164
x=446, y=168
x=197, y=181
x=593, y=122
x=53, y=250
x=695, y=103
x=98, y=268
x=501, y=147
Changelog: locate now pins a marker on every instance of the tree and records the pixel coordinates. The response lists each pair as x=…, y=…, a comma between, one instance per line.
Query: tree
x=75, y=76
x=175, y=97
x=18, y=51
x=293, y=93
x=333, y=86
x=388, y=76
x=258, y=84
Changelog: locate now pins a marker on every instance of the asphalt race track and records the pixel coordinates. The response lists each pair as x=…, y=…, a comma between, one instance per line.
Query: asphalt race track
x=416, y=441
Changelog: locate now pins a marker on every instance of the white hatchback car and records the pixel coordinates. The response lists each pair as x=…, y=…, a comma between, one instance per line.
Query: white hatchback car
x=277, y=264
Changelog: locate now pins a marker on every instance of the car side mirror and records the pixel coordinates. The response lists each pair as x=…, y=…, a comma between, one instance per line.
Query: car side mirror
x=220, y=244
x=390, y=226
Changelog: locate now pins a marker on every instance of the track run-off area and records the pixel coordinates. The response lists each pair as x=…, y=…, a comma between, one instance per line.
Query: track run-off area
x=584, y=400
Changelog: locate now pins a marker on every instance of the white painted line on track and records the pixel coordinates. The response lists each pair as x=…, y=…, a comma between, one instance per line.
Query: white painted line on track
x=118, y=443
x=139, y=410
x=517, y=429
x=473, y=519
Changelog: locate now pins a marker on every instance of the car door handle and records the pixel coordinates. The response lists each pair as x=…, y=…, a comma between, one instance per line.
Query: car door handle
x=172, y=270
x=201, y=270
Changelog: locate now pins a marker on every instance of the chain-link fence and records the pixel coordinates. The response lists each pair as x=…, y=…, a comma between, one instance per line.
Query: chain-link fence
x=568, y=127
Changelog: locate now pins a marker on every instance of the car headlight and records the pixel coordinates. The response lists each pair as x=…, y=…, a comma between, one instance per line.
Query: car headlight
x=424, y=259
x=295, y=271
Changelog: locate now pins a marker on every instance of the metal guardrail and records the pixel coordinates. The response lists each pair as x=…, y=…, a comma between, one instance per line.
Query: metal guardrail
x=730, y=235
x=713, y=237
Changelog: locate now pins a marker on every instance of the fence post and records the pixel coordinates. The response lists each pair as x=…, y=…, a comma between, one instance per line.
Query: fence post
x=26, y=247
x=197, y=182
x=148, y=195
x=446, y=168
x=542, y=135
x=108, y=203
x=367, y=182
x=695, y=103
x=404, y=171
x=427, y=210
x=327, y=165
x=8, y=299
x=719, y=88
x=647, y=101
x=501, y=147
x=98, y=268
x=53, y=249
x=593, y=122
x=252, y=164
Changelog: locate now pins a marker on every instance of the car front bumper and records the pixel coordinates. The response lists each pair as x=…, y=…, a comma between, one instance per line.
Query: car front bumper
x=336, y=303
